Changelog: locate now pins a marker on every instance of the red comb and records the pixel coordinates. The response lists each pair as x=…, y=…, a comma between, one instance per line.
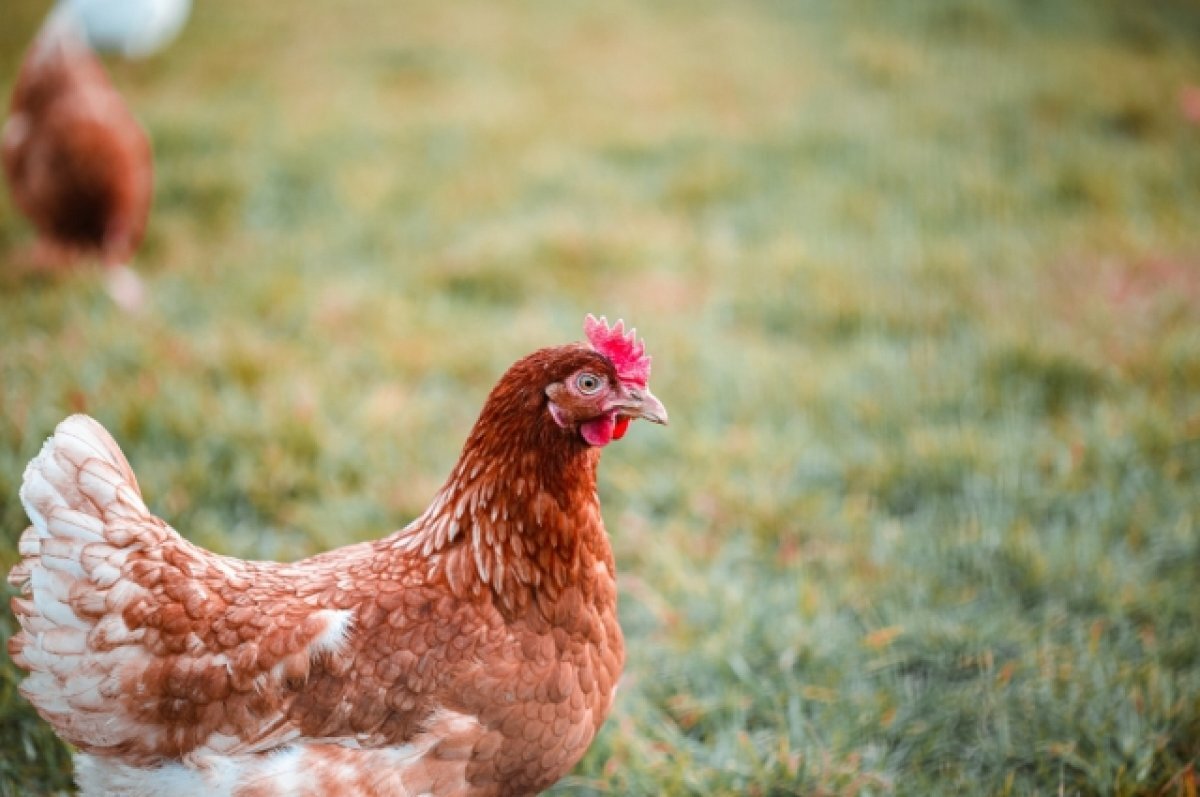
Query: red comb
x=628, y=354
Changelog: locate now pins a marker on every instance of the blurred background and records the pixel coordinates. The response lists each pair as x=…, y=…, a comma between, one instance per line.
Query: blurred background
x=921, y=282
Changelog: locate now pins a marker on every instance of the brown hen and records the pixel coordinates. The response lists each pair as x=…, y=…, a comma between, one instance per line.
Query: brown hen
x=474, y=652
x=77, y=163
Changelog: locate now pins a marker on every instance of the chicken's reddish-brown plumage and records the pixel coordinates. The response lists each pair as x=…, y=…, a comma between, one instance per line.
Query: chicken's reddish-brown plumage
x=77, y=163
x=475, y=652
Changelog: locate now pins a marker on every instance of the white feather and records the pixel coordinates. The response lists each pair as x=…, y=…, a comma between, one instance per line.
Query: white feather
x=61, y=614
x=121, y=594
x=49, y=586
x=63, y=642
x=64, y=522
x=99, y=483
x=105, y=575
x=36, y=493
x=336, y=633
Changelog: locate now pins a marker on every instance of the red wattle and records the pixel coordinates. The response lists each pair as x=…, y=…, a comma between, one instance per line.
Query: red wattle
x=599, y=431
x=621, y=427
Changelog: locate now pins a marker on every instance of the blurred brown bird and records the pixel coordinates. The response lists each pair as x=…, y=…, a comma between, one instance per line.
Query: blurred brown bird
x=474, y=653
x=1189, y=104
x=77, y=163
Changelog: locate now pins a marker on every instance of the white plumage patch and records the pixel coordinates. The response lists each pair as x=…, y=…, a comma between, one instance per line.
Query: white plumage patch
x=74, y=641
x=302, y=770
x=333, y=639
x=106, y=777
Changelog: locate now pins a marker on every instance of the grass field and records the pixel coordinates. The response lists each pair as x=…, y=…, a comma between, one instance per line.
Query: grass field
x=922, y=285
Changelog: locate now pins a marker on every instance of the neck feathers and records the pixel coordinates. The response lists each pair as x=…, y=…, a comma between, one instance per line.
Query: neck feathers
x=519, y=514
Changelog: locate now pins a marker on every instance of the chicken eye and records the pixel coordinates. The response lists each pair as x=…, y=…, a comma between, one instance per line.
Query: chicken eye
x=588, y=383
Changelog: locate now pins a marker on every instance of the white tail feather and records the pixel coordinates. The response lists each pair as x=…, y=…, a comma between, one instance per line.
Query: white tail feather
x=80, y=461
x=95, y=557
x=71, y=572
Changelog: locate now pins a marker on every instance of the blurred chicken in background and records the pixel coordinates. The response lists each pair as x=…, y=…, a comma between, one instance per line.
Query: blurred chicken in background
x=132, y=28
x=78, y=164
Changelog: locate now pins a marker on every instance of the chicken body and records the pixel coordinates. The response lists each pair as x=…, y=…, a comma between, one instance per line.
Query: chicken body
x=77, y=163
x=474, y=652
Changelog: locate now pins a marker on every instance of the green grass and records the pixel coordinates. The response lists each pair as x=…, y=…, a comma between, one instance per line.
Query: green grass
x=922, y=285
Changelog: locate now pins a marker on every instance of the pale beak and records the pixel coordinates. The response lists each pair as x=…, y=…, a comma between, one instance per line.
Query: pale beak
x=643, y=404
